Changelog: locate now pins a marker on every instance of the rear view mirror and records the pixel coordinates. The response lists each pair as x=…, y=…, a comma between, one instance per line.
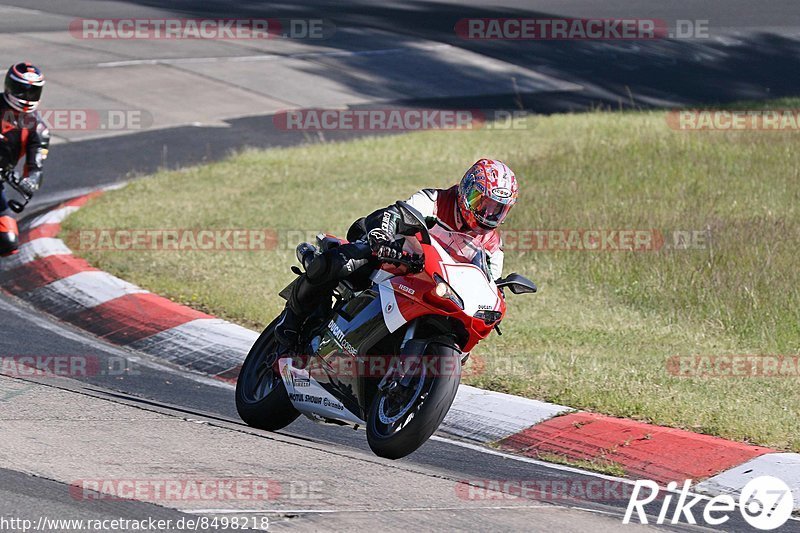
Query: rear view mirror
x=517, y=283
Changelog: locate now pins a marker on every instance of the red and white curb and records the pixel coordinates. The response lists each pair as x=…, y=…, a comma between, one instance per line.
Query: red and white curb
x=46, y=274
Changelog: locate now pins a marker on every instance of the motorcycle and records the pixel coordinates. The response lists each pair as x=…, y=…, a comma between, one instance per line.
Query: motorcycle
x=388, y=357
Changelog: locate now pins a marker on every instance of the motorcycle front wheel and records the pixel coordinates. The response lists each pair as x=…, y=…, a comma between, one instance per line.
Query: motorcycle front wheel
x=261, y=397
x=404, y=415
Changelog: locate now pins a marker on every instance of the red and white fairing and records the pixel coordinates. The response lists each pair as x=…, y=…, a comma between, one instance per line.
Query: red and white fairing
x=450, y=256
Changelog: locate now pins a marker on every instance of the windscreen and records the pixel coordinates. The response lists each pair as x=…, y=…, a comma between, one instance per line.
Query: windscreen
x=462, y=248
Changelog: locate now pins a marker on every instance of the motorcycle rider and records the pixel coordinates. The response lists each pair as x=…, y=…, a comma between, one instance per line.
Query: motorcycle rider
x=475, y=206
x=23, y=133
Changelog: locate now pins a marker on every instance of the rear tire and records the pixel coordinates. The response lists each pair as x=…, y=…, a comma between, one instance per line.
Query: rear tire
x=261, y=398
x=428, y=409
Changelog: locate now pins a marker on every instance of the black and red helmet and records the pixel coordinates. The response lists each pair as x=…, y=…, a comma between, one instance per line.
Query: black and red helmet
x=23, y=87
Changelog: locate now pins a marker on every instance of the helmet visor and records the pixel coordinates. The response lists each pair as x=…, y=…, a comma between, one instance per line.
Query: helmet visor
x=487, y=211
x=23, y=91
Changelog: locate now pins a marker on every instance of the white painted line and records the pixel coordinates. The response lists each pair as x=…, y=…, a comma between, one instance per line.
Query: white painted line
x=485, y=416
x=44, y=247
x=56, y=216
x=80, y=291
x=15, y=9
x=784, y=466
x=115, y=186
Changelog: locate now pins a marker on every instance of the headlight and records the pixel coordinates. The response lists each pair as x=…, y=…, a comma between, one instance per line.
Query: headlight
x=489, y=317
x=444, y=290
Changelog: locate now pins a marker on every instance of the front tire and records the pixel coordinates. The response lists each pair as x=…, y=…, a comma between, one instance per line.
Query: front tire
x=397, y=428
x=261, y=398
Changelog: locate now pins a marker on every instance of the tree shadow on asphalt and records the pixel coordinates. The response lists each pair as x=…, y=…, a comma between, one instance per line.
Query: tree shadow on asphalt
x=654, y=73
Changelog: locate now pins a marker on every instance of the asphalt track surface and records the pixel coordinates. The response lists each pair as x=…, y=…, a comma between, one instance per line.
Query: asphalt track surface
x=765, y=65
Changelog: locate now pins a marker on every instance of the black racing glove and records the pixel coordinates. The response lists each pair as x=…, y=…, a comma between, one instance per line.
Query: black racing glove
x=383, y=246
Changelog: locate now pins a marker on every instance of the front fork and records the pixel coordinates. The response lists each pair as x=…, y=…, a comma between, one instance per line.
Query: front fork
x=389, y=382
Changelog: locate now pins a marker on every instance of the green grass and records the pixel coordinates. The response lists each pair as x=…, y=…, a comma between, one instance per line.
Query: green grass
x=599, y=333
x=604, y=466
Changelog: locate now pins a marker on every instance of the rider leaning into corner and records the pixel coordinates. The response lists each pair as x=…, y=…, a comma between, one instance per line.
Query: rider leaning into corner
x=475, y=206
x=23, y=134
